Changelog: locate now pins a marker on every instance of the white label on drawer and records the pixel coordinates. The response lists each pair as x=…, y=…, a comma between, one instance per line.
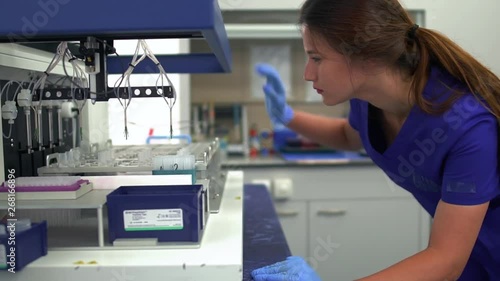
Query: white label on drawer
x=3, y=257
x=150, y=220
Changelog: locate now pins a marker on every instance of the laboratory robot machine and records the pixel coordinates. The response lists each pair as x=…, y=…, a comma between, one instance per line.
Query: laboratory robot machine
x=76, y=207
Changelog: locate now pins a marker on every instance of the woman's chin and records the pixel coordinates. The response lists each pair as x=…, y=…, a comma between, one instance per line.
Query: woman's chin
x=331, y=102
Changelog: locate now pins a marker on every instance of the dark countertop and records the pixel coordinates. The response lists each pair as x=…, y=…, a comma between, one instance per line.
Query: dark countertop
x=277, y=161
x=264, y=242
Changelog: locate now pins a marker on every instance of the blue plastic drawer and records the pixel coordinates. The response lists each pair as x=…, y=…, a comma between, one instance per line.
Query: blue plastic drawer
x=28, y=245
x=168, y=213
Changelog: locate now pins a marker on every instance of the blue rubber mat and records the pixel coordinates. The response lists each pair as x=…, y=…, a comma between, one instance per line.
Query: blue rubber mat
x=264, y=242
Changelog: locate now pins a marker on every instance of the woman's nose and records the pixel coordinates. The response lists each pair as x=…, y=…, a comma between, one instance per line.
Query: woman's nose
x=309, y=74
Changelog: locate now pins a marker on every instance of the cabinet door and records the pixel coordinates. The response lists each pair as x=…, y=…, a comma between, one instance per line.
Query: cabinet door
x=350, y=239
x=293, y=219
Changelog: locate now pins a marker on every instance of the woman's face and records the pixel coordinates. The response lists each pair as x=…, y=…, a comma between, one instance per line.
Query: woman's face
x=329, y=71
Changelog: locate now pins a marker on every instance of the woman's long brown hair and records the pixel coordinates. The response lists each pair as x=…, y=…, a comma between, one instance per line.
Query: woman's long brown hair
x=382, y=30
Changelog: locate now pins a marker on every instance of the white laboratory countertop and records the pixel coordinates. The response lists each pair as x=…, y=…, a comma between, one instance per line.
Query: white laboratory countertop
x=219, y=257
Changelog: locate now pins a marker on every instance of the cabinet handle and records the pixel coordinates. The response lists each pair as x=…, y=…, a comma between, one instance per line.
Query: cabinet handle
x=288, y=213
x=332, y=212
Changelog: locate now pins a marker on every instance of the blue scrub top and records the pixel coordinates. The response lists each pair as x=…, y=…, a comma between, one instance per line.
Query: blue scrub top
x=450, y=157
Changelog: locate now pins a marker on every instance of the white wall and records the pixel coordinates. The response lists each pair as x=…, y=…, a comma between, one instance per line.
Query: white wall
x=94, y=125
x=471, y=24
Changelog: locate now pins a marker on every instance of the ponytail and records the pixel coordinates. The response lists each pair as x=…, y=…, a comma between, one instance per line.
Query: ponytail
x=435, y=48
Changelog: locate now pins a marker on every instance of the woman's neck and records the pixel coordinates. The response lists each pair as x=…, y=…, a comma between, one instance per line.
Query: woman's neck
x=390, y=92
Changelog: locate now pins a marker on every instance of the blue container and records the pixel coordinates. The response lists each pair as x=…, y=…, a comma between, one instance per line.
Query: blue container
x=166, y=212
x=30, y=245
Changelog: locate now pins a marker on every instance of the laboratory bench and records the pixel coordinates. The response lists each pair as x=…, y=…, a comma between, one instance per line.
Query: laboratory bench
x=262, y=242
x=347, y=218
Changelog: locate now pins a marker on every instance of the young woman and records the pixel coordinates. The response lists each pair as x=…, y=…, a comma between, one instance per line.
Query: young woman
x=424, y=110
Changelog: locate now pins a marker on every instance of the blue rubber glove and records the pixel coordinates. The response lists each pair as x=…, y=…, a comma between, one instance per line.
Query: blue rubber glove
x=278, y=110
x=292, y=269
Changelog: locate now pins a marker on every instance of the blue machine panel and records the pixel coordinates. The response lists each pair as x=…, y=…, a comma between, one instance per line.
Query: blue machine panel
x=73, y=20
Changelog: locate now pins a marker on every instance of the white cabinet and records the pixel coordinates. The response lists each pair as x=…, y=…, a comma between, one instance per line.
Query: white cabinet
x=293, y=218
x=346, y=221
x=350, y=239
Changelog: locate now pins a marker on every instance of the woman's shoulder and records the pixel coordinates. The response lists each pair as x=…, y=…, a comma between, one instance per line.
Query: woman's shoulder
x=442, y=86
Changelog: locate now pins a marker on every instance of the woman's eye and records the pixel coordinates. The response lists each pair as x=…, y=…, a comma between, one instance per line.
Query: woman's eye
x=316, y=59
